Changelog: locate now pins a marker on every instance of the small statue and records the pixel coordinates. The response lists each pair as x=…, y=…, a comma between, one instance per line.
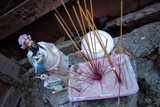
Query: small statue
x=44, y=56
x=51, y=82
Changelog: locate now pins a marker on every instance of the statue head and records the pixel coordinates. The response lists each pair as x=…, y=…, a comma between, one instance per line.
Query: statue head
x=26, y=41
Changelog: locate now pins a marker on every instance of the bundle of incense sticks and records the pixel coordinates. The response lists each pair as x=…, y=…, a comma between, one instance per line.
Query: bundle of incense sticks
x=87, y=16
x=89, y=19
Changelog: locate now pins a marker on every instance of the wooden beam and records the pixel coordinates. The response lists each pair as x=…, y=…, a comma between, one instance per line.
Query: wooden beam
x=11, y=98
x=10, y=72
x=145, y=15
x=24, y=14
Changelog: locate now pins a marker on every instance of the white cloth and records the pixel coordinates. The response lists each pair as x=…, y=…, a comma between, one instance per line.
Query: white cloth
x=52, y=57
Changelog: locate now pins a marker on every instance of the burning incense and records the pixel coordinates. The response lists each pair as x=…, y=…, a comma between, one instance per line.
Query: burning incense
x=95, y=69
x=71, y=72
x=103, y=47
x=67, y=88
x=107, y=55
x=92, y=26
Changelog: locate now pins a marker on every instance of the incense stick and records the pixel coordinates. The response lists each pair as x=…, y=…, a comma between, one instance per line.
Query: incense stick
x=65, y=88
x=91, y=8
x=104, y=53
x=121, y=15
x=62, y=20
x=71, y=72
x=121, y=26
x=84, y=29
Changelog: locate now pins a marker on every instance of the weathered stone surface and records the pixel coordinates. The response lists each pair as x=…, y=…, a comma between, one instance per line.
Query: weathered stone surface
x=144, y=43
